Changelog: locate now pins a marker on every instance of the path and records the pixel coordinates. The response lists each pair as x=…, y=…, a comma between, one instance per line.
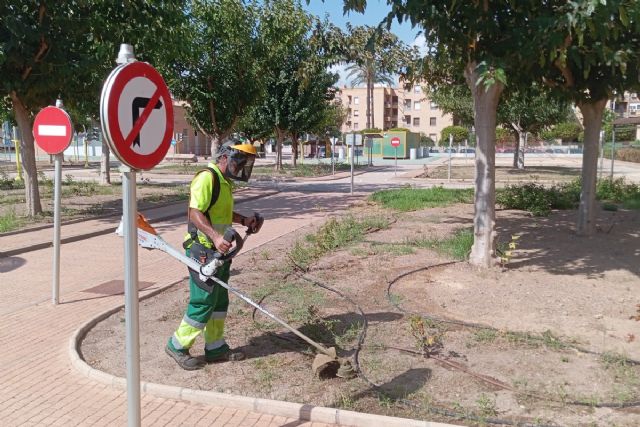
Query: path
x=39, y=386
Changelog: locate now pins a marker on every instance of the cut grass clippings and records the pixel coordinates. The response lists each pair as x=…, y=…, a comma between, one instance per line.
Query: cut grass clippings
x=411, y=199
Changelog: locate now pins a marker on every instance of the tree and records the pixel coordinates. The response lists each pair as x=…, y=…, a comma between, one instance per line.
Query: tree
x=219, y=75
x=528, y=110
x=485, y=42
x=374, y=55
x=460, y=134
x=523, y=110
x=47, y=52
x=297, y=49
x=594, y=52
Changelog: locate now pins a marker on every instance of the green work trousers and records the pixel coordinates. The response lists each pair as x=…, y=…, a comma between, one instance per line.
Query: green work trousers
x=206, y=314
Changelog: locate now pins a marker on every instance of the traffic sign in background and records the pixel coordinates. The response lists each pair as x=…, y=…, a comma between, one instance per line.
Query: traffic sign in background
x=137, y=115
x=395, y=141
x=52, y=130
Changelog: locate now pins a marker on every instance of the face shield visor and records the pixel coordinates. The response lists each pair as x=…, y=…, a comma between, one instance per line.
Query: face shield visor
x=239, y=165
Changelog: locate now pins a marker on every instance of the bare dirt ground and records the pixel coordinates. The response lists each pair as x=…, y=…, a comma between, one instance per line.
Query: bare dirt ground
x=548, y=339
x=85, y=199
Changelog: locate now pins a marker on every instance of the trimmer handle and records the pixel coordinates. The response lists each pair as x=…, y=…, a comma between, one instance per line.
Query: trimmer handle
x=231, y=235
x=259, y=222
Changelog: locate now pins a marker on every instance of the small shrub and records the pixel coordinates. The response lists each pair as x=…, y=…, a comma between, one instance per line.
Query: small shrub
x=530, y=197
x=631, y=154
x=7, y=183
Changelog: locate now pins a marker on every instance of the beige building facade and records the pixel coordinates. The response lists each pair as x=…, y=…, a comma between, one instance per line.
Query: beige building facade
x=393, y=107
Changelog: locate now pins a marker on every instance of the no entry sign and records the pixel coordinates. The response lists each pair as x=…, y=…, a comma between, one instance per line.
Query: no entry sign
x=52, y=130
x=137, y=115
x=395, y=141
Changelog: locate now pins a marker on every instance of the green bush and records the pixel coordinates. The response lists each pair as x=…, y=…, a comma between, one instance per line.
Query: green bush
x=567, y=131
x=7, y=183
x=530, y=197
x=616, y=190
x=540, y=200
x=459, y=134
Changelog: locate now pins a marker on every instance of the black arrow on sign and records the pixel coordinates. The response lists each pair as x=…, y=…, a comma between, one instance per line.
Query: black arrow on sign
x=137, y=104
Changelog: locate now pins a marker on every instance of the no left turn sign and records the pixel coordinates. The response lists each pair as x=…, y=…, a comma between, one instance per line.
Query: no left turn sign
x=137, y=115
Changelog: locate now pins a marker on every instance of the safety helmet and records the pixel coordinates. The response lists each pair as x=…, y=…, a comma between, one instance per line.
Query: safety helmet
x=240, y=159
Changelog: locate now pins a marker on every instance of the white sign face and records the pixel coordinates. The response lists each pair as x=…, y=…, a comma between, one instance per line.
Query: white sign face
x=135, y=96
x=357, y=136
x=136, y=112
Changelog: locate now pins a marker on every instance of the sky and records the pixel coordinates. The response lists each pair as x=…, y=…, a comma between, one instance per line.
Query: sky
x=375, y=12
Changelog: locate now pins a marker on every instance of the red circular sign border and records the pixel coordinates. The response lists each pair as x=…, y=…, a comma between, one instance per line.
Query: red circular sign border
x=126, y=154
x=68, y=125
x=394, y=139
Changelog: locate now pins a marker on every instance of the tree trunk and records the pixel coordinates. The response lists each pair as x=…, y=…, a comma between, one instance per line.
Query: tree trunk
x=518, y=154
x=373, y=119
x=592, y=113
x=368, y=102
x=105, y=173
x=483, y=252
x=279, y=141
x=27, y=152
x=294, y=149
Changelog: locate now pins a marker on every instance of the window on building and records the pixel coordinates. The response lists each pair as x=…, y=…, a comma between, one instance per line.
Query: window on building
x=355, y=126
x=416, y=121
x=356, y=100
x=433, y=105
x=432, y=121
x=356, y=113
x=407, y=120
x=417, y=89
x=407, y=104
x=416, y=105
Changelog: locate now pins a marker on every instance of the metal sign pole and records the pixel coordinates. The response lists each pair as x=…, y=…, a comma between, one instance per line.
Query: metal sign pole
x=396, y=169
x=57, y=181
x=353, y=144
x=449, y=169
x=129, y=214
x=131, y=312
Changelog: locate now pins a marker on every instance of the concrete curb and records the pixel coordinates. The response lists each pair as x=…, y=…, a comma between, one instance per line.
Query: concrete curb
x=304, y=412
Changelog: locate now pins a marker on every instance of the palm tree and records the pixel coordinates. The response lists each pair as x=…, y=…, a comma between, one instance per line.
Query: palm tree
x=368, y=73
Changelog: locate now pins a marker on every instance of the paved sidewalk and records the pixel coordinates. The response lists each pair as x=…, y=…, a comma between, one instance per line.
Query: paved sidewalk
x=39, y=387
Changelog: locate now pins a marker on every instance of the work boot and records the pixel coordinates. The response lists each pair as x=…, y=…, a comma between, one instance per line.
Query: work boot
x=185, y=360
x=229, y=356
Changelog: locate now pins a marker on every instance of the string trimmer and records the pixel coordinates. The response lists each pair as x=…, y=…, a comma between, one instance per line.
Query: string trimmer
x=325, y=365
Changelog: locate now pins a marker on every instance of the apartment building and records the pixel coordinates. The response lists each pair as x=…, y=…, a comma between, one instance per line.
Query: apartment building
x=393, y=107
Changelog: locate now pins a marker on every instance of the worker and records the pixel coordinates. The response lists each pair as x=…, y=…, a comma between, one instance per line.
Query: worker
x=210, y=213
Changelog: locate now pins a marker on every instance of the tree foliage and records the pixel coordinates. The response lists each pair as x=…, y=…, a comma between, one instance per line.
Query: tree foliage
x=219, y=74
x=460, y=134
x=51, y=49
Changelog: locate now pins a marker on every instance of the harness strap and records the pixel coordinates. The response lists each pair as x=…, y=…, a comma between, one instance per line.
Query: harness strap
x=191, y=228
